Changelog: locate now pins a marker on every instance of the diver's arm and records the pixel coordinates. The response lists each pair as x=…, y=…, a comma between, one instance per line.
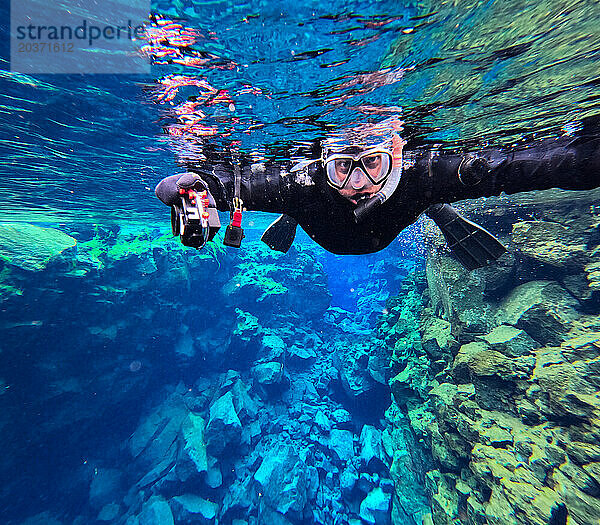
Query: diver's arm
x=566, y=163
x=264, y=187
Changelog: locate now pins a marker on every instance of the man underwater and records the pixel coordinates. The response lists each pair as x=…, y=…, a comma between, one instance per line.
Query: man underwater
x=363, y=189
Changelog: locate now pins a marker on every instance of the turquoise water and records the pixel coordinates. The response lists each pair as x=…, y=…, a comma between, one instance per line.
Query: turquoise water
x=144, y=383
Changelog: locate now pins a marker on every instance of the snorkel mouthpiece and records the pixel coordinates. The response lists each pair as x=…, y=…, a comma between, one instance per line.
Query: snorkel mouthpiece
x=365, y=208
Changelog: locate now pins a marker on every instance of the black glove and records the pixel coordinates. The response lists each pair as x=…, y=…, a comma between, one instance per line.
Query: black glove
x=167, y=189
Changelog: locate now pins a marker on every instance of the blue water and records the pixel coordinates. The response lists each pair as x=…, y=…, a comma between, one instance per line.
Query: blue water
x=112, y=351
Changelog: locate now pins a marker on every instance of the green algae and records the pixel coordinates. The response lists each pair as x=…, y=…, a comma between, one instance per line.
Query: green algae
x=258, y=277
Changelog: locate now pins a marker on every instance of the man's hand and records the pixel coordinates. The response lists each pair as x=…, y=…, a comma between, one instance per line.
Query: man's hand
x=167, y=189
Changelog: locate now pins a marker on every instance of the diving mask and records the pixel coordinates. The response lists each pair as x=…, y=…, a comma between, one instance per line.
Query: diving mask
x=375, y=163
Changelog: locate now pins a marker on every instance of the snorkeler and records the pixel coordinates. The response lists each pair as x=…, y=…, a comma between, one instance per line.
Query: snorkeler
x=360, y=192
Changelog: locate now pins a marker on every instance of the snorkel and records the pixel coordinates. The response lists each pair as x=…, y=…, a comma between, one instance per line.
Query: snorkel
x=365, y=208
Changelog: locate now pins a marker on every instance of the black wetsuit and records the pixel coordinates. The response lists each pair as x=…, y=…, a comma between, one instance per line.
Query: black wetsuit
x=568, y=163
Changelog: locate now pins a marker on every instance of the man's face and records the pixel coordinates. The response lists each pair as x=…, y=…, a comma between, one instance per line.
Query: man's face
x=359, y=187
x=359, y=175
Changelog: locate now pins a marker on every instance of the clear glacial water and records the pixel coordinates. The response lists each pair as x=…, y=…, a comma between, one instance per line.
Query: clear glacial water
x=86, y=356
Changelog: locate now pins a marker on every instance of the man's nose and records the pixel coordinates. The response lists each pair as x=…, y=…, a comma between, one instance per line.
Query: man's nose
x=358, y=179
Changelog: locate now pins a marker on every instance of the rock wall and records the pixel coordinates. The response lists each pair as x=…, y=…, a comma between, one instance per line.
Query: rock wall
x=498, y=391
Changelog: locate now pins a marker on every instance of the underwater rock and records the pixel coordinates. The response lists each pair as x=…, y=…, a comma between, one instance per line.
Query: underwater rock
x=550, y=243
x=156, y=510
x=578, y=285
x=371, y=453
x=240, y=497
x=592, y=271
x=43, y=518
x=352, y=361
x=109, y=512
x=245, y=405
x=510, y=341
x=31, y=247
x=412, y=381
x=348, y=480
x=224, y=429
x=458, y=293
x=214, y=476
x=301, y=355
x=543, y=309
x=479, y=359
x=564, y=392
x=268, y=373
x=273, y=347
x=341, y=415
x=155, y=440
x=193, y=508
x=341, y=443
x=192, y=459
x=283, y=480
x=437, y=338
x=322, y=421
x=378, y=365
x=375, y=508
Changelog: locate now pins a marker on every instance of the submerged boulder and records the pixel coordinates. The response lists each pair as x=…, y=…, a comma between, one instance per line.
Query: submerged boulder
x=224, y=428
x=155, y=440
x=371, y=450
x=375, y=508
x=543, y=309
x=31, y=247
x=268, y=373
x=283, y=480
x=510, y=341
x=192, y=508
x=341, y=442
x=192, y=458
x=550, y=243
x=156, y=510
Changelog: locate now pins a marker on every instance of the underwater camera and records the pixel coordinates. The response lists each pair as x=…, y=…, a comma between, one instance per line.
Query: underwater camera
x=193, y=220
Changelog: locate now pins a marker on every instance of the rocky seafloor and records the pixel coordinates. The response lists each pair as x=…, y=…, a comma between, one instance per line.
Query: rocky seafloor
x=146, y=384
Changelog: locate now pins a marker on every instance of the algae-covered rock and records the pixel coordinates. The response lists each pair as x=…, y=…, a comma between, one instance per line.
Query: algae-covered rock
x=564, y=392
x=550, y=243
x=31, y=247
x=458, y=293
x=510, y=341
x=543, y=309
x=437, y=338
x=592, y=271
x=478, y=359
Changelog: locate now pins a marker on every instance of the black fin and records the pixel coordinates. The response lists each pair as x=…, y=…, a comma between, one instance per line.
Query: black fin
x=472, y=245
x=280, y=235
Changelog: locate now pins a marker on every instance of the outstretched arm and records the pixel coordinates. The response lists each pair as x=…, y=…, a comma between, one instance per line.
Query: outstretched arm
x=263, y=187
x=567, y=163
